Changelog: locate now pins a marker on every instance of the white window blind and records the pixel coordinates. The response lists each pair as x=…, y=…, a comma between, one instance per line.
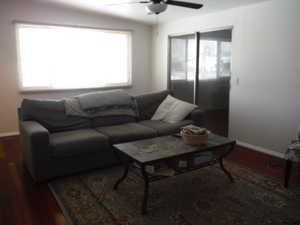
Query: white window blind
x=58, y=57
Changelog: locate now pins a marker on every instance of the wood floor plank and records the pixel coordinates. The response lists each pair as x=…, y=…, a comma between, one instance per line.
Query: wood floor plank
x=22, y=202
x=9, y=208
x=2, y=153
x=13, y=150
x=25, y=213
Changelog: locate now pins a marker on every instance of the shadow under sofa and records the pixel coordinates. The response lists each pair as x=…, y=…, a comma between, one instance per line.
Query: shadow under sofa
x=70, y=145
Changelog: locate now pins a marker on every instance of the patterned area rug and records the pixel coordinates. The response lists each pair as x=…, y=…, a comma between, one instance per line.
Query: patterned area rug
x=202, y=197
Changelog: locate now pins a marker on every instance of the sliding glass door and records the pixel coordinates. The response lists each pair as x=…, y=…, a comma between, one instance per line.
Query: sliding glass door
x=200, y=70
x=214, y=70
x=214, y=79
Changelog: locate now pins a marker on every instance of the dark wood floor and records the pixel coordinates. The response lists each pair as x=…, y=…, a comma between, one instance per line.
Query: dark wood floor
x=24, y=203
x=21, y=201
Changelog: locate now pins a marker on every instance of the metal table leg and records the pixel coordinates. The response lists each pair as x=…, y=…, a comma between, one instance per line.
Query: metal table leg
x=222, y=165
x=126, y=168
x=287, y=172
x=226, y=171
x=146, y=190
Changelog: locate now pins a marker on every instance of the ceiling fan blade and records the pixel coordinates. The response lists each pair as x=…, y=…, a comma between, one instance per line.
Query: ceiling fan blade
x=184, y=4
x=125, y=3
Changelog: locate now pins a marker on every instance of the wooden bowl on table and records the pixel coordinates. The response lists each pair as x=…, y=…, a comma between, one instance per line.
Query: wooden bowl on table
x=194, y=139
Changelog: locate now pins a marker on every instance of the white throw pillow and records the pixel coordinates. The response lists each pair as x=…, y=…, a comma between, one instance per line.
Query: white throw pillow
x=163, y=108
x=173, y=110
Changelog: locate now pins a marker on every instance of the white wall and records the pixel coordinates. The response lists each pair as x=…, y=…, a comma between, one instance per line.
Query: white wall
x=27, y=10
x=265, y=105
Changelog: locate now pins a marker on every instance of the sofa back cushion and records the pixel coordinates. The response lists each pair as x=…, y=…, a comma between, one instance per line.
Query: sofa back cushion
x=51, y=115
x=148, y=103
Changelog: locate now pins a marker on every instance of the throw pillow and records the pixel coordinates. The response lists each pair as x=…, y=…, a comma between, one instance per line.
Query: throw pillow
x=173, y=110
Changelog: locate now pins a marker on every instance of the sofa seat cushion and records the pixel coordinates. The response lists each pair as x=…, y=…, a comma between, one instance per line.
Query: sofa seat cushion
x=165, y=128
x=127, y=132
x=83, y=141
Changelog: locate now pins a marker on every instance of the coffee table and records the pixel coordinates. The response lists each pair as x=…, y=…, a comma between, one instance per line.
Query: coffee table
x=137, y=155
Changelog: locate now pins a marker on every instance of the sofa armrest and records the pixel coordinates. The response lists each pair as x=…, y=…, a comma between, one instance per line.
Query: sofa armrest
x=38, y=135
x=197, y=116
x=34, y=144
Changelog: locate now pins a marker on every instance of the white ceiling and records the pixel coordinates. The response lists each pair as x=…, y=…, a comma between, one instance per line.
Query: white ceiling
x=137, y=11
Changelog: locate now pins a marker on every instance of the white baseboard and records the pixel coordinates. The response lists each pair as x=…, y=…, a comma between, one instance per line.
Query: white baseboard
x=261, y=149
x=8, y=134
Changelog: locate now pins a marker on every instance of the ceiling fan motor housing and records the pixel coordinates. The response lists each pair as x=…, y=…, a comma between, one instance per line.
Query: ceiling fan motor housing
x=156, y=7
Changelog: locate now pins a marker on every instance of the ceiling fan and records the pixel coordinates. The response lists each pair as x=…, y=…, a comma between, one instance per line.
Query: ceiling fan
x=159, y=6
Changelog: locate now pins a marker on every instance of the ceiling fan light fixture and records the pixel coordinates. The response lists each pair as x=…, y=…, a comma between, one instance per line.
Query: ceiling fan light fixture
x=156, y=8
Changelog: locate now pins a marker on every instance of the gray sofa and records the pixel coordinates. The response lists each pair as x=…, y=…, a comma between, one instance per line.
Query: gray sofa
x=54, y=144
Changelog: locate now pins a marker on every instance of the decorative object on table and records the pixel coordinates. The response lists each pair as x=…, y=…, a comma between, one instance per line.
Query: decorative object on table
x=178, y=164
x=194, y=135
x=177, y=135
x=292, y=155
x=157, y=169
x=202, y=157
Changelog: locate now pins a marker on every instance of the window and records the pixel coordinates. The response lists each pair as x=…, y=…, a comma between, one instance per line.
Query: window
x=183, y=57
x=208, y=59
x=58, y=57
x=225, y=59
x=215, y=59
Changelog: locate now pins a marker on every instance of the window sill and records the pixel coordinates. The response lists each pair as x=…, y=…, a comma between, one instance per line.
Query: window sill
x=47, y=90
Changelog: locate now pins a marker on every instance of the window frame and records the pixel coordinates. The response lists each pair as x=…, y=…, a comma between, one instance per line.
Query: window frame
x=22, y=89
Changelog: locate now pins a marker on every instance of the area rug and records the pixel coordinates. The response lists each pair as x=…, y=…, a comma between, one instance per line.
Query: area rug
x=202, y=197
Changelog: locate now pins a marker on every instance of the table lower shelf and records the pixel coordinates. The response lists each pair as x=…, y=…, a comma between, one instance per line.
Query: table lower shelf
x=136, y=172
